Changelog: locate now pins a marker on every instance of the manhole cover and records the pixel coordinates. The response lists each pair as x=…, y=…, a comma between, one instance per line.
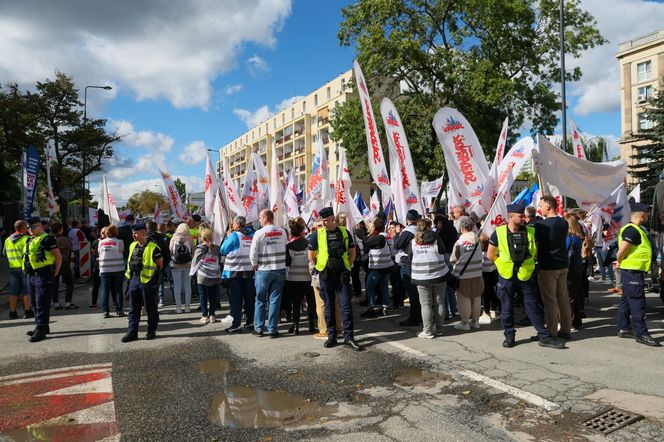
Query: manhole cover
x=611, y=420
x=312, y=354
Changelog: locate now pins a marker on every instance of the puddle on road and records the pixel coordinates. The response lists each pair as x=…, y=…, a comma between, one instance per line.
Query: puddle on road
x=215, y=366
x=419, y=377
x=248, y=407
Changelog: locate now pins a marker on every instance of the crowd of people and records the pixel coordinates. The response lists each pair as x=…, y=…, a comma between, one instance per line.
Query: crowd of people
x=443, y=266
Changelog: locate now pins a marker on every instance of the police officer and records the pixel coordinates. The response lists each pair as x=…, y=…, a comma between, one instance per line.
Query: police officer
x=41, y=263
x=143, y=266
x=332, y=250
x=512, y=249
x=634, y=259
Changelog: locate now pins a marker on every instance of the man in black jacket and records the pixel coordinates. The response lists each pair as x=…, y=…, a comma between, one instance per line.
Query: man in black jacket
x=165, y=274
x=125, y=234
x=403, y=256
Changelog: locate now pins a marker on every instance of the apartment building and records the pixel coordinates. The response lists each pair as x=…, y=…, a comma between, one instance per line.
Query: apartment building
x=641, y=69
x=295, y=131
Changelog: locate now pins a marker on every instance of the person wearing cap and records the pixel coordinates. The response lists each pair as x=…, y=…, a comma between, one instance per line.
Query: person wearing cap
x=634, y=257
x=41, y=263
x=143, y=266
x=18, y=284
x=403, y=257
x=332, y=250
x=512, y=248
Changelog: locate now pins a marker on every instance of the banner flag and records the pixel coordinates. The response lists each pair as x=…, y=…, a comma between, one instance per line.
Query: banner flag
x=250, y=195
x=233, y=200
x=497, y=216
x=211, y=187
x=220, y=218
x=108, y=203
x=500, y=148
x=616, y=212
x=512, y=164
x=51, y=198
x=155, y=215
x=93, y=216
x=525, y=197
x=319, y=181
x=374, y=205
x=290, y=196
x=30, y=174
x=177, y=208
x=464, y=159
x=344, y=201
x=431, y=189
x=407, y=192
x=377, y=164
x=276, y=189
x=579, y=152
x=263, y=181
x=635, y=193
x=583, y=180
x=359, y=202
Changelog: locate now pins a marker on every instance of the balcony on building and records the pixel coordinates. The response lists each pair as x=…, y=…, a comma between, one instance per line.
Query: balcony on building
x=323, y=116
x=298, y=129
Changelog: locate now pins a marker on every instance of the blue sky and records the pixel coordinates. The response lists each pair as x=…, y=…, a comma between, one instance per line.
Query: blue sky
x=188, y=76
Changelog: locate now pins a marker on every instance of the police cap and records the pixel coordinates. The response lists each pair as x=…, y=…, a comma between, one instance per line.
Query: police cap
x=516, y=208
x=326, y=212
x=196, y=217
x=639, y=207
x=138, y=226
x=34, y=220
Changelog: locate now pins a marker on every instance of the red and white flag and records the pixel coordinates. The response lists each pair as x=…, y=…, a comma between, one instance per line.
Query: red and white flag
x=318, y=190
x=343, y=200
x=406, y=194
x=177, y=208
x=431, y=189
x=262, y=181
x=374, y=205
x=500, y=148
x=211, y=187
x=512, y=164
x=250, y=195
x=276, y=190
x=579, y=152
x=155, y=215
x=290, y=196
x=51, y=198
x=220, y=218
x=497, y=216
x=464, y=159
x=377, y=164
x=232, y=197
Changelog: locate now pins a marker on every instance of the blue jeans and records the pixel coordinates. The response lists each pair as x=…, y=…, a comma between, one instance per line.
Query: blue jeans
x=165, y=275
x=241, y=290
x=605, y=271
x=208, y=294
x=18, y=283
x=377, y=280
x=111, y=283
x=268, y=283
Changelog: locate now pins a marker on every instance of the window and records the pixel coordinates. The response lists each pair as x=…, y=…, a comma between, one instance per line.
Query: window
x=292, y=113
x=644, y=71
x=343, y=84
x=304, y=106
x=283, y=118
x=644, y=123
x=316, y=100
x=329, y=93
x=644, y=93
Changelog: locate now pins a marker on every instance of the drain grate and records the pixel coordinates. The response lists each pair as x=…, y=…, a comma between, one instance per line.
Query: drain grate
x=611, y=420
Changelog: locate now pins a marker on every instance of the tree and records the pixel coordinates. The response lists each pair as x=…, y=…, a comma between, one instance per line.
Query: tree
x=53, y=117
x=182, y=189
x=143, y=203
x=487, y=59
x=649, y=156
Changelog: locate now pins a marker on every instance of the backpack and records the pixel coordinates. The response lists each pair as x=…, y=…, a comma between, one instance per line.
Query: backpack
x=182, y=253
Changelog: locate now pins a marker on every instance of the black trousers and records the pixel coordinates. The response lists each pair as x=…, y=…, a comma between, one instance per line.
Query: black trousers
x=142, y=295
x=67, y=277
x=297, y=291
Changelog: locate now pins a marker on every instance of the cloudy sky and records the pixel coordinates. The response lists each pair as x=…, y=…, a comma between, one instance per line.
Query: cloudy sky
x=192, y=75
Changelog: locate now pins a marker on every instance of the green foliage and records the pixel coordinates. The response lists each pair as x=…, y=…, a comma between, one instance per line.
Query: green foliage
x=182, y=188
x=487, y=59
x=649, y=157
x=143, y=203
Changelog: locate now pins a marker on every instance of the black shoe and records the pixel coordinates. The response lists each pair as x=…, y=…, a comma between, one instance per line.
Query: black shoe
x=257, y=332
x=368, y=313
x=363, y=303
x=565, y=336
x=294, y=330
x=58, y=307
x=150, y=335
x=233, y=330
x=28, y=314
x=129, y=337
x=107, y=315
x=352, y=344
x=408, y=323
x=38, y=335
x=121, y=314
x=626, y=334
x=71, y=307
x=552, y=342
x=509, y=343
x=249, y=325
x=47, y=330
x=273, y=335
x=313, y=329
x=331, y=342
x=535, y=338
x=648, y=340
x=13, y=315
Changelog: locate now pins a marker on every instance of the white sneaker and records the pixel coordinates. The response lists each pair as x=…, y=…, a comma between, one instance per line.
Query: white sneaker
x=178, y=310
x=187, y=309
x=462, y=326
x=425, y=335
x=494, y=315
x=204, y=319
x=484, y=319
x=227, y=320
x=212, y=319
x=474, y=325
x=160, y=305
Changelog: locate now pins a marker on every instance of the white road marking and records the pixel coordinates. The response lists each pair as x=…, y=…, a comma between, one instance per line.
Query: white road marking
x=94, y=415
x=99, y=386
x=53, y=373
x=514, y=391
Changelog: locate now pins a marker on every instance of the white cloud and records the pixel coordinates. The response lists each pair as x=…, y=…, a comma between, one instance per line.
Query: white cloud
x=151, y=49
x=122, y=190
x=232, y=89
x=193, y=153
x=156, y=141
x=618, y=21
x=252, y=119
x=257, y=65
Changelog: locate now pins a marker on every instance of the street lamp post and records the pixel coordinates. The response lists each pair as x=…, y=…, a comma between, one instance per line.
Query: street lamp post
x=85, y=124
x=562, y=74
x=219, y=168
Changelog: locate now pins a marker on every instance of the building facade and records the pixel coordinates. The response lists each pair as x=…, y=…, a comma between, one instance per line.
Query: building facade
x=641, y=68
x=295, y=131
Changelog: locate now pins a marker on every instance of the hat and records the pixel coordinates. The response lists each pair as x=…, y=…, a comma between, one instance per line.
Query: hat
x=138, y=226
x=325, y=212
x=34, y=220
x=639, y=207
x=516, y=208
x=196, y=217
x=129, y=218
x=412, y=215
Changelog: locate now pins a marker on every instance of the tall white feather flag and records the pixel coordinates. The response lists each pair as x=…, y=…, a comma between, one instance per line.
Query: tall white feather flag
x=374, y=205
x=263, y=181
x=108, y=203
x=579, y=152
x=276, y=193
x=232, y=197
x=51, y=198
x=290, y=196
x=177, y=208
x=250, y=195
x=211, y=187
x=318, y=190
x=220, y=216
x=344, y=201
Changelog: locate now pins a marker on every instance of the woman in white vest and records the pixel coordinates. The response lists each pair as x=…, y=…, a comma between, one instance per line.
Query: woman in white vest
x=467, y=259
x=298, y=278
x=380, y=264
x=181, y=247
x=111, y=268
x=208, y=274
x=429, y=272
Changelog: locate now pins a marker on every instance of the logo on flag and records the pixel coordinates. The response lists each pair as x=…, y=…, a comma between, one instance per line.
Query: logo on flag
x=392, y=120
x=451, y=125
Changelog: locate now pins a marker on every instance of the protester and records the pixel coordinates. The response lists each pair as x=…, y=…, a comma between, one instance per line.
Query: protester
x=403, y=256
x=467, y=259
x=298, y=278
x=64, y=245
x=360, y=263
x=18, y=284
x=239, y=274
x=490, y=302
x=75, y=235
x=448, y=233
x=429, y=272
x=181, y=248
x=574, y=246
x=206, y=266
x=165, y=274
x=380, y=264
x=111, y=269
x=125, y=233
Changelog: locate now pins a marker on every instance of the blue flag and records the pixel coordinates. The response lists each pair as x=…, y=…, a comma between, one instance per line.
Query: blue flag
x=526, y=195
x=359, y=202
x=388, y=209
x=30, y=173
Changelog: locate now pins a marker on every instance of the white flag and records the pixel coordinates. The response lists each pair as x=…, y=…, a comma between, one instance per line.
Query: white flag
x=51, y=198
x=211, y=187
x=250, y=195
x=232, y=197
x=319, y=181
x=431, y=189
x=464, y=159
x=512, y=164
x=374, y=205
x=290, y=197
x=500, y=148
x=263, y=181
x=220, y=218
x=108, y=203
x=576, y=141
x=343, y=199
x=497, y=216
x=635, y=193
x=177, y=208
x=407, y=194
x=377, y=164
x=276, y=193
